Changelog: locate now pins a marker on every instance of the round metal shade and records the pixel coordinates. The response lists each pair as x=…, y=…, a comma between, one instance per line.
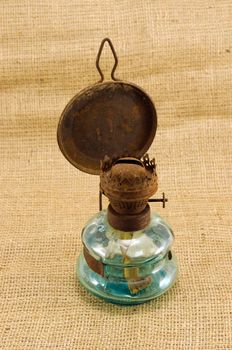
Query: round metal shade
x=113, y=118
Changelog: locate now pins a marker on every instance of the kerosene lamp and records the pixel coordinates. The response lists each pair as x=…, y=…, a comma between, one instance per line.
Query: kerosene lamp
x=106, y=130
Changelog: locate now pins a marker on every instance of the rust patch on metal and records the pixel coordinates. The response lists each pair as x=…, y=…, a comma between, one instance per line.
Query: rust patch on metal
x=95, y=265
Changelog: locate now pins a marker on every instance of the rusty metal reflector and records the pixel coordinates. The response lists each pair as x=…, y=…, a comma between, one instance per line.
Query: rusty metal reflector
x=112, y=118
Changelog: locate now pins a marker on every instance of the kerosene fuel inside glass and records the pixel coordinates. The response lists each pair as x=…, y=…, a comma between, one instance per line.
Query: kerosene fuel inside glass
x=137, y=266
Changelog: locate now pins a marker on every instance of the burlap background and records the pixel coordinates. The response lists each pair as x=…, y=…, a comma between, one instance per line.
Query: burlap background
x=181, y=53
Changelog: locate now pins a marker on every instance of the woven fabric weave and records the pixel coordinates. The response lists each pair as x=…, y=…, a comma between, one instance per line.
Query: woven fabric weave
x=180, y=52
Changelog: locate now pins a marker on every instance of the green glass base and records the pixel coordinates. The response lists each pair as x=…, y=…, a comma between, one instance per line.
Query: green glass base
x=157, y=278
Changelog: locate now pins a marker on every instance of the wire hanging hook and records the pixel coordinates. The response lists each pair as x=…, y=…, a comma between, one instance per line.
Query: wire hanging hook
x=98, y=59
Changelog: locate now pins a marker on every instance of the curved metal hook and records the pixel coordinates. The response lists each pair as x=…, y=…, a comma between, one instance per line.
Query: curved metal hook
x=98, y=59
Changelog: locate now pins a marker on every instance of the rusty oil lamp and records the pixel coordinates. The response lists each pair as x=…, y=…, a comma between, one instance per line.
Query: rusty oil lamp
x=106, y=130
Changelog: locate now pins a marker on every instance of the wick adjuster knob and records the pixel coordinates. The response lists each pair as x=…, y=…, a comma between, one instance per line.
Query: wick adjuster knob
x=162, y=200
